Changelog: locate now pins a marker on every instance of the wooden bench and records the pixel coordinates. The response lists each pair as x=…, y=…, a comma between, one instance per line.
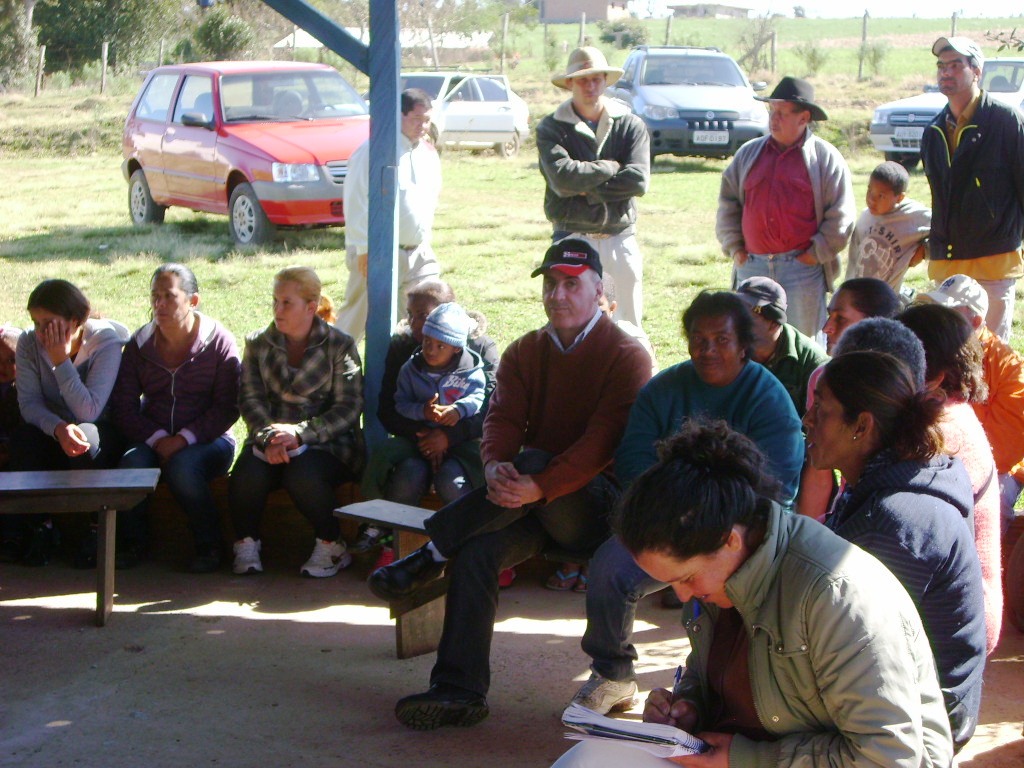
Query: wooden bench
x=103, y=491
x=419, y=618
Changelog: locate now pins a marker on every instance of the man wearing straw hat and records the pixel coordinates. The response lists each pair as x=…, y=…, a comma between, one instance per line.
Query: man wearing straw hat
x=595, y=159
x=786, y=208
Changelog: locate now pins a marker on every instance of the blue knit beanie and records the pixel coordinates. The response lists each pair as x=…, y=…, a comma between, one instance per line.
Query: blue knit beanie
x=449, y=324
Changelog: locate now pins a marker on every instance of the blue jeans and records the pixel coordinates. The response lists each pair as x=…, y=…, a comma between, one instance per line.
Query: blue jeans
x=804, y=285
x=614, y=587
x=1000, y=305
x=1009, y=491
x=411, y=479
x=310, y=479
x=484, y=539
x=188, y=474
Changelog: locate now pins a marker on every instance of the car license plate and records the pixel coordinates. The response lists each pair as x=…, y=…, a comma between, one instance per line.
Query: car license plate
x=908, y=133
x=710, y=137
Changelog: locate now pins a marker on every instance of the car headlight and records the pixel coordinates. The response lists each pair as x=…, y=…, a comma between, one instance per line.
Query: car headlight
x=285, y=173
x=655, y=112
x=880, y=117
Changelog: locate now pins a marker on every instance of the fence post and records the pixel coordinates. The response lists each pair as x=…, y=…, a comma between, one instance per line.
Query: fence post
x=583, y=29
x=863, y=47
x=504, y=37
x=103, y=64
x=160, y=55
x=39, y=69
x=952, y=25
x=775, y=51
x=668, y=29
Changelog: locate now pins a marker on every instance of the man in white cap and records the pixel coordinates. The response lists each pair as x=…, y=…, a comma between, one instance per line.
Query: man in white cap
x=595, y=159
x=786, y=207
x=1002, y=414
x=973, y=153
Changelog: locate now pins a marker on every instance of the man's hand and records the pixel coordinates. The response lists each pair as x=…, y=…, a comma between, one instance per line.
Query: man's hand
x=507, y=488
x=71, y=438
x=740, y=256
x=660, y=708
x=716, y=757
x=166, y=447
x=808, y=258
x=433, y=445
x=361, y=263
x=55, y=339
x=276, y=454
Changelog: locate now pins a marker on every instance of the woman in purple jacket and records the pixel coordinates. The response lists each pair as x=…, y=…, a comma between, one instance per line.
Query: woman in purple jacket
x=175, y=400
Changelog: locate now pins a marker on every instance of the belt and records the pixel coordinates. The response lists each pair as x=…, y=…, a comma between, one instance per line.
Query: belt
x=599, y=235
x=409, y=247
x=772, y=256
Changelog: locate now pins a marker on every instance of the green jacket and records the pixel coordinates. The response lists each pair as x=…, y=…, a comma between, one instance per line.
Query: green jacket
x=829, y=629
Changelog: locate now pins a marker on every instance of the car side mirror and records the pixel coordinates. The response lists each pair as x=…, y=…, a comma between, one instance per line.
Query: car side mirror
x=624, y=84
x=759, y=86
x=196, y=120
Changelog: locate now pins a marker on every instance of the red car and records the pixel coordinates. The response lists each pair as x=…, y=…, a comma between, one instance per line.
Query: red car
x=265, y=142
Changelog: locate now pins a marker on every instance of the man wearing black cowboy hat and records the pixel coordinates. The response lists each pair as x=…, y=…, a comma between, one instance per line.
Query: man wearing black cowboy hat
x=595, y=158
x=786, y=206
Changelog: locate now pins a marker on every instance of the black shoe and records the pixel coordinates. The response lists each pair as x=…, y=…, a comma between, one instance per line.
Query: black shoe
x=442, y=705
x=85, y=557
x=41, y=544
x=405, y=576
x=207, y=561
x=127, y=555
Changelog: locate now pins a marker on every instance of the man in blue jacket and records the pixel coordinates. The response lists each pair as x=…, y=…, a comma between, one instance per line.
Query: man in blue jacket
x=719, y=381
x=973, y=153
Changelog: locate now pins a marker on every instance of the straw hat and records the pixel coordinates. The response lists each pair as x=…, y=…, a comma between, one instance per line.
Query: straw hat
x=587, y=61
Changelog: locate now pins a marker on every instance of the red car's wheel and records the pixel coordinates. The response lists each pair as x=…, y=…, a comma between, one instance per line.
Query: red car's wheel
x=140, y=202
x=249, y=224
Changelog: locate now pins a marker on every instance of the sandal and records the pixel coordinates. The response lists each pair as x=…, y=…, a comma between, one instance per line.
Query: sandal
x=560, y=581
x=581, y=581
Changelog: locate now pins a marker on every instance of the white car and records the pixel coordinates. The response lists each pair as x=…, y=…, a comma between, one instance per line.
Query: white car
x=897, y=127
x=473, y=110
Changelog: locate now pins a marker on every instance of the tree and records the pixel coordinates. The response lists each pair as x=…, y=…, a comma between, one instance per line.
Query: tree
x=17, y=41
x=223, y=36
x=73, y=31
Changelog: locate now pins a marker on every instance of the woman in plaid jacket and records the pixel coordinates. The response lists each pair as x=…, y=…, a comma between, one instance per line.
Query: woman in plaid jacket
x=301, y=397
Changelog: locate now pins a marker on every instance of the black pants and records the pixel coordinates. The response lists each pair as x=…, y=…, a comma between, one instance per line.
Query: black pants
x=483, y=539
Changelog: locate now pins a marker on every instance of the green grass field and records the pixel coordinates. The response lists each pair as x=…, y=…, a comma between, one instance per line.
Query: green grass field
x=65, y=210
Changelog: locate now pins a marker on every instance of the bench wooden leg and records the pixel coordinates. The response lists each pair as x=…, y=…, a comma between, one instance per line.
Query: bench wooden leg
x=106, y=536
x=417, y=629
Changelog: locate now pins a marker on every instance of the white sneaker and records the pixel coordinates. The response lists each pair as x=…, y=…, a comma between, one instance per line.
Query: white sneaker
x=603, y=695
x=247, y=557
x=327, y=559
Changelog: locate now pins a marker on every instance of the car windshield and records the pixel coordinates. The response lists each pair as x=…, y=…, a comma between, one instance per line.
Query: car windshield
x=1002, y=76
x=315, y=94
x=691, y=70
x=429, y=83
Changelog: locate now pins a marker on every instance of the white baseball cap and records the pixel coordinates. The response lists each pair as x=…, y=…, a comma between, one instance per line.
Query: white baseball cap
x=959, y=291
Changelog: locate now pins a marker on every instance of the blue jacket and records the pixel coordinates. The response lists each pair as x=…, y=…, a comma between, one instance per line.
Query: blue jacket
x=462, y=387
x=755, y=403
x=978, y=195
x=915, y=517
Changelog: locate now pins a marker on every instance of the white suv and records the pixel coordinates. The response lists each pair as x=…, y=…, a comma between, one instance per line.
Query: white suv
x=897, y=127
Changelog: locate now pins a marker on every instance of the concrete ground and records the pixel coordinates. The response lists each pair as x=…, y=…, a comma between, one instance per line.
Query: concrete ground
x=277, y=670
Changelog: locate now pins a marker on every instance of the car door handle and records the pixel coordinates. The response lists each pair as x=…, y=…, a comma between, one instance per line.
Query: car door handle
x=504, y=109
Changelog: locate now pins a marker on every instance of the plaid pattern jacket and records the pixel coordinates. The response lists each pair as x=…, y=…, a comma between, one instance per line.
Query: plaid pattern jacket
x=323, y=396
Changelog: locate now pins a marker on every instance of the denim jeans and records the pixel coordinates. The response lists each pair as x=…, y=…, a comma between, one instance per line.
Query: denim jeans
x=1000, y=306
x=411, y=479
x=483, y=539
x=188, y=474
x=310, y=479
x=615, y=585
x=622, y=262
x=1009, y=492
x=804, y=285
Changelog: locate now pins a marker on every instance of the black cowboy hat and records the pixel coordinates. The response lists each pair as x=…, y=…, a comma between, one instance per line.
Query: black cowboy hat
x=799, y=92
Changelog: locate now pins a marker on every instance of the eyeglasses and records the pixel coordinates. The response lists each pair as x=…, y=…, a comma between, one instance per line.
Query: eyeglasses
x=956, y=65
